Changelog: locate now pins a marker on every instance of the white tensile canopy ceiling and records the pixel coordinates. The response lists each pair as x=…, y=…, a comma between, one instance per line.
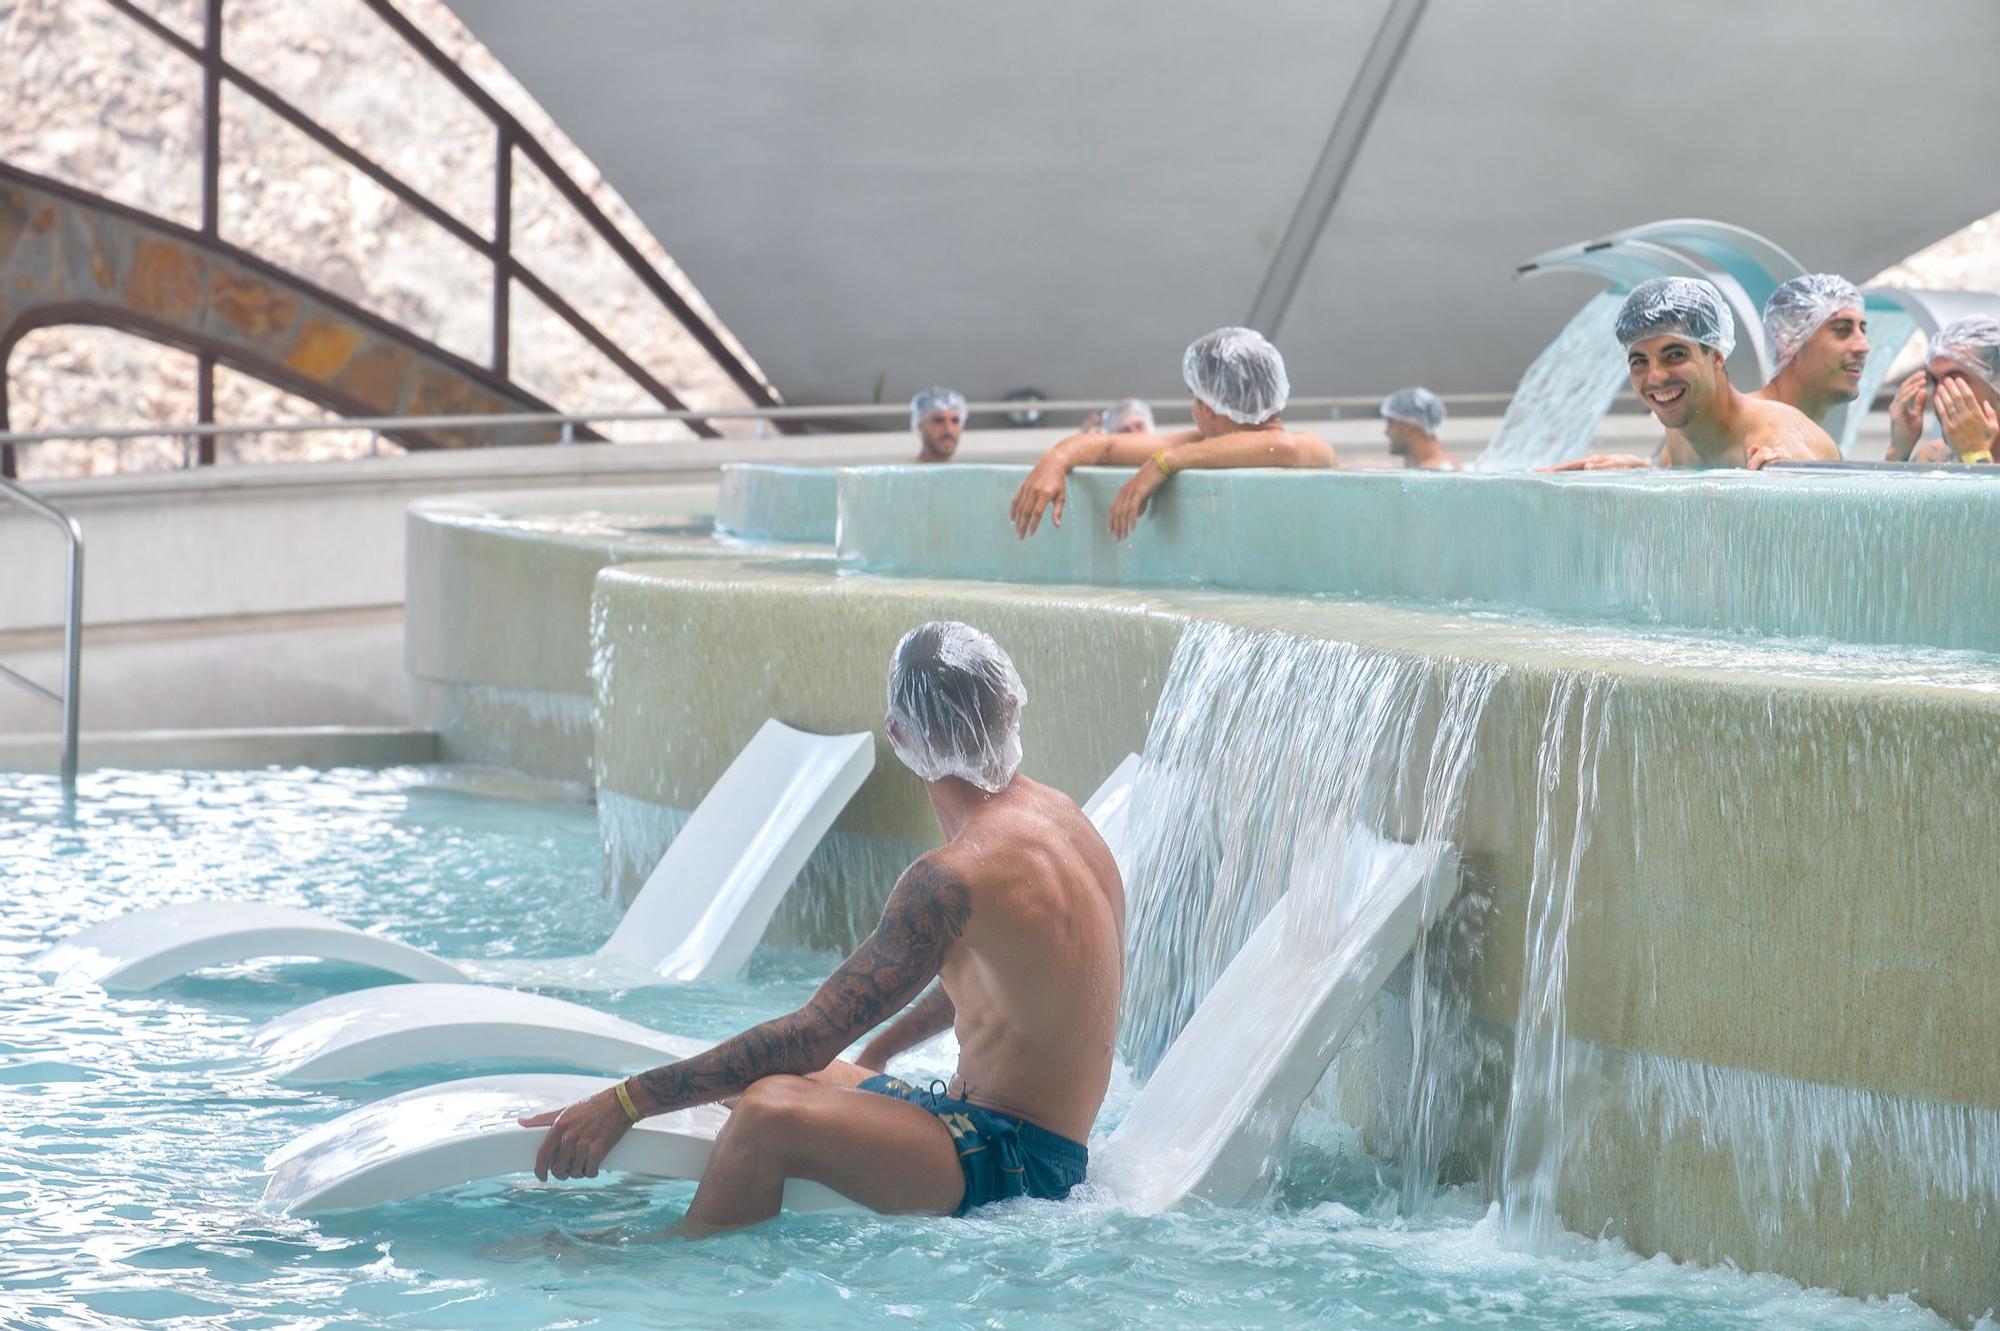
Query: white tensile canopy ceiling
x=880, y=195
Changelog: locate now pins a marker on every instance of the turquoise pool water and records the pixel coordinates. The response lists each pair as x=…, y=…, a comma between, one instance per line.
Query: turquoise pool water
x=131, y=1128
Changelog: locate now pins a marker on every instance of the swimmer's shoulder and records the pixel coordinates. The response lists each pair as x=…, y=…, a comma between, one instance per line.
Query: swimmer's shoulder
x=1783, y=424
x=1313, y=451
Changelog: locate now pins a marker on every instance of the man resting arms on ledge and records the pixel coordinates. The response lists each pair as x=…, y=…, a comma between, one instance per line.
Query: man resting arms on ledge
x=1677, y=333
x=1020, y=918
x=1239, y=386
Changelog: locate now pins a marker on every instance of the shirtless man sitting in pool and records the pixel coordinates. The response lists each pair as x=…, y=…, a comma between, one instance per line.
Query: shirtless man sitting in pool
x=1677, y=334
x=1020, y=918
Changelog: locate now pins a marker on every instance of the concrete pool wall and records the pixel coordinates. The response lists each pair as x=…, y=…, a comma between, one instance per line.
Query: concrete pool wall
x=1781, y=1003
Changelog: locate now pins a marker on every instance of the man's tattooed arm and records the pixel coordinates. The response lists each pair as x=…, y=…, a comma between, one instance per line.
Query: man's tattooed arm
x=930, y=1014
x=923, y=920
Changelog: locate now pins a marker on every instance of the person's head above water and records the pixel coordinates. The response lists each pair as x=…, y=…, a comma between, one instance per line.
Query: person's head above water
x=1411, y=412
x=955, y=704
x=1236, y=377
x=1818, y=329
x=938, y=416
x=1971, y=346
x=1677, y=333
x=1128, y=415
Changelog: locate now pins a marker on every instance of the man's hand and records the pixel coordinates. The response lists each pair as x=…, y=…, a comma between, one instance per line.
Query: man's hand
x=1132, y=497
x=1906, y=415
x=1045, y=488
x=875, y=1057
x=580, y=1136
x=1970, y=426
x=1601, y=462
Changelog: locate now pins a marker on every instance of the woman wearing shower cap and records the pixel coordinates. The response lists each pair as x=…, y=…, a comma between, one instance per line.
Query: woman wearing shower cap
x=1961, y=379
x=1239, y=386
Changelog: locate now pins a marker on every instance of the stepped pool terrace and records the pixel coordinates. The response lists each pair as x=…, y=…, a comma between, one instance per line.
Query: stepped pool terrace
x=1719, y=983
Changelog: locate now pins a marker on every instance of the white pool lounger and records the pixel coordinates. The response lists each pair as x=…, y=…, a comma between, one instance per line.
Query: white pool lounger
x=460, y=1131
x=701, y=911
x=371, y=1031
x=1213, y=1117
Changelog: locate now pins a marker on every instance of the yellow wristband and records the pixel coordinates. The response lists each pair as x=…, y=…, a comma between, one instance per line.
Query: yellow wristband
x=1984, y=455
x=1160, y=461
x=625, y=1101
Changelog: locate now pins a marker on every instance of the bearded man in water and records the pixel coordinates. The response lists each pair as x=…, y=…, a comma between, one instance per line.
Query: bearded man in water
x=1019, y=918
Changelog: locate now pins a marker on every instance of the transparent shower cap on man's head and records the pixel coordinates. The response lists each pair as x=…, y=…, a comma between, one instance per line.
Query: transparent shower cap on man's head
x=1237, y=374
x=933, y=399
x=1686, y=306
x=1798, y=307
x=1973, y=343
x=1124, y=412
x=955, y=703
x=1419, y=406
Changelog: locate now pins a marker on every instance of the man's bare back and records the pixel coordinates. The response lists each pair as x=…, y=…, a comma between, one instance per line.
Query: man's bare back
x=1036, y=975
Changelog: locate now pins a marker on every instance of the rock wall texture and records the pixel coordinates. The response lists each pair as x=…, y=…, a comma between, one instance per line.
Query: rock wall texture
x=96, y=101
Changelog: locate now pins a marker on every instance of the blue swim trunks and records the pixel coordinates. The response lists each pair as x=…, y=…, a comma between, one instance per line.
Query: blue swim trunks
x=1001, y=1156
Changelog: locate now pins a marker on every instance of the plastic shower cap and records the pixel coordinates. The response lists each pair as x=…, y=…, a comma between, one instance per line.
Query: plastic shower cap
x=1683, y=305
x=933, y=399
x=1124, y=412
x=1798, y=307
x=1238, y=374
x=1419, y=406
x=1973, y=343
x=956, y=703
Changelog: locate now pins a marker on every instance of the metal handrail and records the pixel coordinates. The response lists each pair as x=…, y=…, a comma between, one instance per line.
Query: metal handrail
x=569, y=422
x=68, y=699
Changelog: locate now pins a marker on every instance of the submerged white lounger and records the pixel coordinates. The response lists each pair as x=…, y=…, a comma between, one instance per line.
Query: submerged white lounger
x=1209, y=1122
x=464, y=1130
x=701, y=911
x=371, y=1031
x=1212, y=1118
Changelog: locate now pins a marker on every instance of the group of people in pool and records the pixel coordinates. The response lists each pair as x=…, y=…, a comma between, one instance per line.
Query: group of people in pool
x=1677, y=334
x=1012, y=933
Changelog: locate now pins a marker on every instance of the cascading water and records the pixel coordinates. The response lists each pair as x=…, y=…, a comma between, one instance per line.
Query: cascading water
x=1573, y=732
x=1564, y=394
x=1264, y=750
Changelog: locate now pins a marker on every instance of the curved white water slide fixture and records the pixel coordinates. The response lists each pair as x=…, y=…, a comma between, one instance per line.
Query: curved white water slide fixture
x=701, y=911
x=1212, y=1119
x=371, y=1031
x=1210, y=1122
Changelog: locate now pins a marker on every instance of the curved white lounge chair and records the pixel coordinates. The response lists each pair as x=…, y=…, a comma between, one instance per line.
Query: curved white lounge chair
x=700, y=913
x=371, y=1031
x=1214, y=1115
x=1209, y=1123
x=454, y=1133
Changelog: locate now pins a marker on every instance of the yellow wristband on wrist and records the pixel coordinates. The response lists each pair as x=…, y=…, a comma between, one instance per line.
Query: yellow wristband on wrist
x=1159, y=460
x=1983, y=455
x=625, y=1103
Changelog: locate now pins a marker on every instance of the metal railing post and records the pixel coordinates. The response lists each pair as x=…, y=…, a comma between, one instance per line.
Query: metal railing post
x=72, y=655
x=70, y=700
